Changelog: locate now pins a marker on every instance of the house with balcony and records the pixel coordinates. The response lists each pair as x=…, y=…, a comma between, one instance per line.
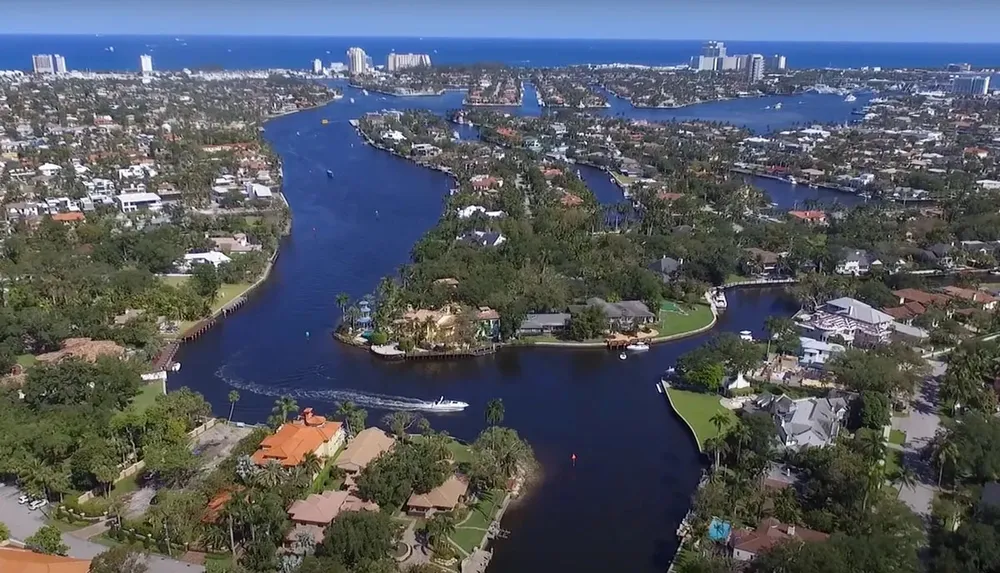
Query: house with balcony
x=293, y=441
x=144, y=201
x=850, y=320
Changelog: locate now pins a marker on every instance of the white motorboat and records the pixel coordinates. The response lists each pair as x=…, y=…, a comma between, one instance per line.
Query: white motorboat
x=777, y=105
x=364, y=92
x=623, y=356
x=746, y=335
x=719, y=298
x=352, y=100
x=637, y=346
x=442, y=405
x=850, y=98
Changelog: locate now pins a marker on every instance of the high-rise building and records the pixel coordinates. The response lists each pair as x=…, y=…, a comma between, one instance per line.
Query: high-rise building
x=60, y=64
x=146, y=63
x=776, y=62
x=357, y=61
x=713, y=49
x=971, y=85
x=397, y=62
x=728, y=63
x=704, y=63
x=755, y=68
x=317, y=66
x=43, y=64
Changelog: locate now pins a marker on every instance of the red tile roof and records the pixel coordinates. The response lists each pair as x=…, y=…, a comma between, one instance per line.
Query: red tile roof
x=771, y=532
x=290, y=444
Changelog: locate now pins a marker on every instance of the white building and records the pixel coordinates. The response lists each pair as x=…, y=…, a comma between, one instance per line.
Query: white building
x=212, y=257
x=317, y=66
x=49, y=169
x=43, y=64
x=60, y=64
x=397, y=62
x=132, y=202
x=357, y=61
x=755, y=68
x=466, y=212
x=146, y=63
x=777, y=62
x=971, y=85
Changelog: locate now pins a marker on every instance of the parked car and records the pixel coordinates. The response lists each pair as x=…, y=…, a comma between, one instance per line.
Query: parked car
x=37, y=504
x=23, y=499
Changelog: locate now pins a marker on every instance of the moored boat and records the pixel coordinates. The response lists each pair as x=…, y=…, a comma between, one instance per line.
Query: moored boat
x=638, y=346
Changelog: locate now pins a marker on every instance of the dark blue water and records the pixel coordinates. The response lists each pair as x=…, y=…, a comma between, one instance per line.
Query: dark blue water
x=618, y=508
x=232, y=52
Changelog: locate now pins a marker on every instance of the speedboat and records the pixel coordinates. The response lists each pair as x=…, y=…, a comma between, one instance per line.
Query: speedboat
x=746, y=335
x=777, y=105
x=637, y=346
x=329, y=174
x=442, y=405
x=850, y=98
x=352, y=100
x=364, y=92
x=623, y=356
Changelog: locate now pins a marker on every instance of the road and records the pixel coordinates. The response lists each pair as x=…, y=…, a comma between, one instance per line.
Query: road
x=920, y=427
x=23, y=523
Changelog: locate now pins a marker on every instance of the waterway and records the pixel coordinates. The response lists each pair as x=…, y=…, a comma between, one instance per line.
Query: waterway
x=616, y=509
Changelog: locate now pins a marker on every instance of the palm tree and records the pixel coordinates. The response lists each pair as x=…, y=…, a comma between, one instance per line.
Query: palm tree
x=720, y=420
x=439, y=528
x=945, y=453
x=494, y=412
x=270, y=475
x=717, y=445
x=342, y=301
x=234, y=397
x=906, y=478
x=352, y=415
x=311, y=464
x=284, y=406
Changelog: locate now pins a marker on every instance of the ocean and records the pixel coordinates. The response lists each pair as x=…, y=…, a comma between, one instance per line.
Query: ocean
x=121, y=53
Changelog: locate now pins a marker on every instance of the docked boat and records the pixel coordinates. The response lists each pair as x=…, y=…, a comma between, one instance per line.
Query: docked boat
x=746, y=335
x=623, y=356
x=442, y=405
x=792, y=180
x=364, y=92
x=638, y=347
x=850, y=97
x=719, y=298
x=329, y=174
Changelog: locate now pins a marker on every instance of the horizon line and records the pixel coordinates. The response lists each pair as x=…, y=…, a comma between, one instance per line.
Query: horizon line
x=437, y=37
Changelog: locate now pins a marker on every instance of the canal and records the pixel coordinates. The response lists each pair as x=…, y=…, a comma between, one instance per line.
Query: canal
x=616, y=509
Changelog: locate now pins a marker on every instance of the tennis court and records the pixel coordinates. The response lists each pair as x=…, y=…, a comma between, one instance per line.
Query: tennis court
x=671, y=306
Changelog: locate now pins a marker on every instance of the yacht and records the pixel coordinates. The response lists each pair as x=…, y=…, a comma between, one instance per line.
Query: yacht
x=792, y=180
x=850, y=98
x=746, y=335
x=329, y=174
x=638, y=346
x=719, y=298
x=777, y=105
x=365, y=92
x=442, y=405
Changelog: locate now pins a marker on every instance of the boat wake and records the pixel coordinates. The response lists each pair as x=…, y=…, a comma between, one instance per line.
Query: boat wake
x=363, y=399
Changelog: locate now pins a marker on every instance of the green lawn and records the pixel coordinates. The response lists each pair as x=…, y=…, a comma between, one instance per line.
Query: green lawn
x=147, y=396
x=470, y=533
x=697, y=409
x=65, y=526
x=671, y=323
x=622, y=180
x=459, y=451
x=26, y=360
x=226, y=294
x=323, y=482
x=897, y=437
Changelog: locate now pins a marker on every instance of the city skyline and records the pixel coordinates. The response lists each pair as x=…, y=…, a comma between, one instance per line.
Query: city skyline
x=895, y=21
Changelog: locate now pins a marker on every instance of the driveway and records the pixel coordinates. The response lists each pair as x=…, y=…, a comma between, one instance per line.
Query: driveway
x=920, y=427
x=23, y=523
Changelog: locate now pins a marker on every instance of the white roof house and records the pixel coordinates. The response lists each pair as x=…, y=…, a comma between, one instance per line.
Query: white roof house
x=466, y=212
x=260, y=191
x=214, y=257
x=131, y=202
x=49, y=169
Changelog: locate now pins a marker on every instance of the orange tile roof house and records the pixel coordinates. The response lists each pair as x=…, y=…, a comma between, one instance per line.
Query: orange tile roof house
x=747, y=544
x=369, y=444
x=814, y=217
x=442, y=498
x=25, y=561
x=977, y=297
x=312, y=514
x=290, y=444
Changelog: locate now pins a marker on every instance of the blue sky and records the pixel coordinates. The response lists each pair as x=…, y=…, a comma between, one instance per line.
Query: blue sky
x=804, y=20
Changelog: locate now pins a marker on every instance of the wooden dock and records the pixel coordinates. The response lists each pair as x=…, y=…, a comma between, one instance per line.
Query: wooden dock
x=452, y=354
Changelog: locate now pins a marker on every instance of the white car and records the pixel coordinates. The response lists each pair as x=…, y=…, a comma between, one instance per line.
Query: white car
x=38, y=503
x=23, y=499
